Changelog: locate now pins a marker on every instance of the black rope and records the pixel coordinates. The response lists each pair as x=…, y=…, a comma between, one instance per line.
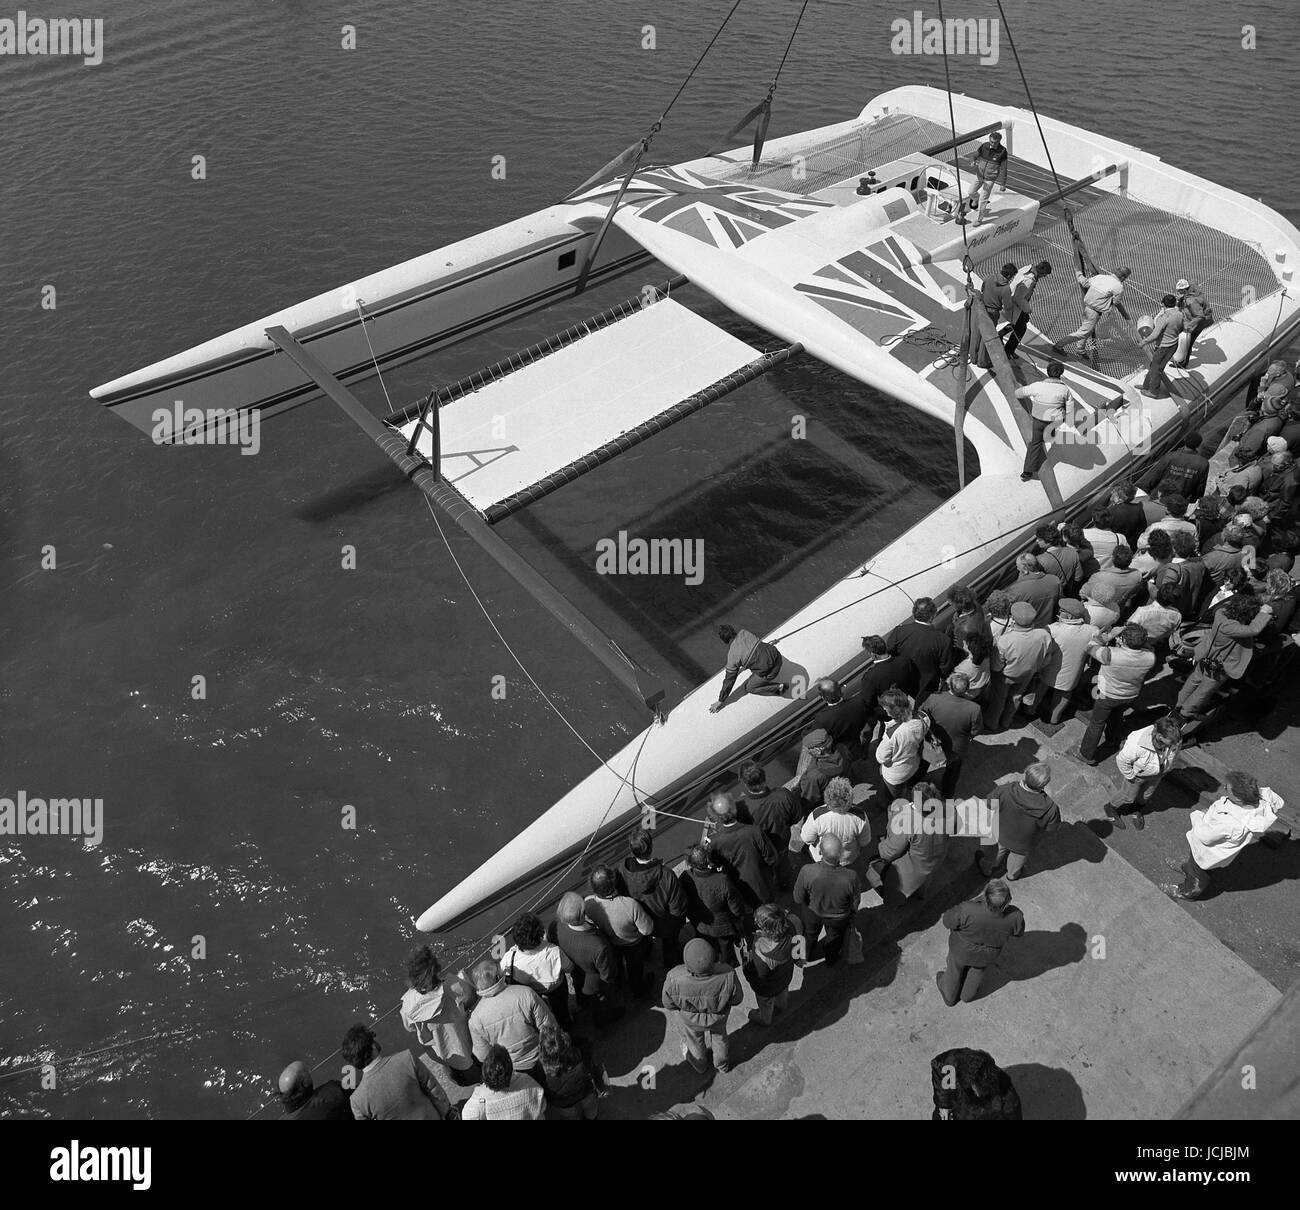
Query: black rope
x=698, y=61
x=956, y=161
x=789, y=44
x=1030, y=96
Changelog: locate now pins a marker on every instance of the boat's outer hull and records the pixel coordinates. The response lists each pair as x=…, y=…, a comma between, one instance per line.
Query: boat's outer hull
x=411, y=310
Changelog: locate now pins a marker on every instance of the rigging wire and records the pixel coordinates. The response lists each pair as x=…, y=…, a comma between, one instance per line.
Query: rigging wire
x=1028, y=95
x=373, y=359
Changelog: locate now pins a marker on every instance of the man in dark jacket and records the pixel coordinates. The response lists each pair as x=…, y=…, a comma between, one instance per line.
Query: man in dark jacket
x=1127, y=516
x=1037, y=588
x=699, y=995
x=657, y=889
x=970, y=1087
x=884, y=672
x=714, y=905
x=1185, y=471
x=303, y=1101
x=955, y=721
x=928, y=648
x=826, y=894
x=774, y=812
x=743, y=852
x=977, y=931
x=842, y=718
x=1024, y=810
x=597, y=966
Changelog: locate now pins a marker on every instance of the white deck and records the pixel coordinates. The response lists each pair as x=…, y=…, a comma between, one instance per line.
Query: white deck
x=509, y=434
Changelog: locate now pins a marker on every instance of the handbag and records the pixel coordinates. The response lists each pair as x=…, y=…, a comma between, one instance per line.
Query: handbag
x=853, y=947
x=932, y=753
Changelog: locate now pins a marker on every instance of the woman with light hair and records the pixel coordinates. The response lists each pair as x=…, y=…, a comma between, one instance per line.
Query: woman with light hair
x=899, y=750
x=835, y=818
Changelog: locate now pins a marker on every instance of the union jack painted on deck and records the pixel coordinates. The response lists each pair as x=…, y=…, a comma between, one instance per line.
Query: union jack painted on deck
x=726, y=215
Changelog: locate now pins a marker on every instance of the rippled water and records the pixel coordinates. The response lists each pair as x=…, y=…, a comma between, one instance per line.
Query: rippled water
x=329, y=688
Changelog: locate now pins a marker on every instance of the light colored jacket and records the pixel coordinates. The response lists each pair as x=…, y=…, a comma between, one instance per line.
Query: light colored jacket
x=1139, y=757
x=522, y=1101
x=901, y=746
x=510, y=1015
x=842, y=824
x=1224, y=828
x=440, y=1019
x=1068, y=655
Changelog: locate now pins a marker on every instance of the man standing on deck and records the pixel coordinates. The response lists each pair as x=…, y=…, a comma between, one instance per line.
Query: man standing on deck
x=990, y=166
x=995, y=298
x=746, y=650
x=1023, y=286
x=1101, y=292
x=1197, y=315
x=1048, y=403
x=1163, y=343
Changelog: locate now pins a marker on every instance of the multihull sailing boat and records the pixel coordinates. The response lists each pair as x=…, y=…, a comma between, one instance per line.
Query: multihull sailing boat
x=856, y=243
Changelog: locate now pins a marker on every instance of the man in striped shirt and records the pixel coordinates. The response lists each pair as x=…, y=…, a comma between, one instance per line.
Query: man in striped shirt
x=1022, y=292
x=1163, y=343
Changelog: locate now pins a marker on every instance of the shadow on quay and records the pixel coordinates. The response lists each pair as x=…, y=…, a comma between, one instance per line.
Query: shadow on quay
x=1047, y=1094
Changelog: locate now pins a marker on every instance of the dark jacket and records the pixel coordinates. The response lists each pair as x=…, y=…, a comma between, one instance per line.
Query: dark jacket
x=713, y=904
x=929, y=649
x=835, y=763
x=828, y=891
x=955, y=721
x=1022, y=813
x=1183, y=472
x=653, y=885
x=977, y=934
x=893, y=672
x=915, y=846
x=1188, y=577
x=749, y=857
x=1130, y=520
x=1041, y=590
x=591, y=952
x=973, y=1088
x=844, y=721
x=1063, y=563
x=774, y=812
x=325, y=1103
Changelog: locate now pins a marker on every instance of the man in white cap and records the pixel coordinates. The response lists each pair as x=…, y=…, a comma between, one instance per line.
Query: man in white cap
x=1102, y=291
x=1197, y=316
x=990, y=165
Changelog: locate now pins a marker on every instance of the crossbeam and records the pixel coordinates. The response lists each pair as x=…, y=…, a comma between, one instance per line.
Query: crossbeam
x=451, y=502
